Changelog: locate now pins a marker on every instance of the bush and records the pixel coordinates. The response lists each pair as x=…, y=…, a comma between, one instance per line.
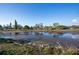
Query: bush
x=25, y=49
x=11, y=49
x=53, y=51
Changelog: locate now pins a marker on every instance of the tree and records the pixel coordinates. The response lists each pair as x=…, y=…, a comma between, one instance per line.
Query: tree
x=10, y=25
x=56, y=24
x=41, y=26
x=1, y=27
x=19, y=26
x=38, y=26
x=74, y=27
x=15, y=24
x=62, y=27
x=48, y=28
x=26, y=27
x=6, y=27
x=31, y=28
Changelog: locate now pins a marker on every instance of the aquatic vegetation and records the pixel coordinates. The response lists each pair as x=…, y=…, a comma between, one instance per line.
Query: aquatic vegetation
x=40, y=46
x=26, y=49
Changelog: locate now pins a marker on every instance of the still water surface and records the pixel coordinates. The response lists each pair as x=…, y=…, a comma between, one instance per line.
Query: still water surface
x=55, y=39
x=39, y=35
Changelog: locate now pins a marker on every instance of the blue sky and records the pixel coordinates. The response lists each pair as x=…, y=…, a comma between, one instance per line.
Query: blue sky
x=31, y=14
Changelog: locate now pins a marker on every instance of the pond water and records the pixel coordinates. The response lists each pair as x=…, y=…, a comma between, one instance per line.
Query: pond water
x=39, y=35
x=63, y=39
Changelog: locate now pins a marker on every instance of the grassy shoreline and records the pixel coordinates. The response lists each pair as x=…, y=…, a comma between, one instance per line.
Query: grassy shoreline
x=19, y=47
x=57, y=31
x=24, y=49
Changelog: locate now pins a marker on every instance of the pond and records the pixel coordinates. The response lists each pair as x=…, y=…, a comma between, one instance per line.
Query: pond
x=39, y=35
x=64, y=39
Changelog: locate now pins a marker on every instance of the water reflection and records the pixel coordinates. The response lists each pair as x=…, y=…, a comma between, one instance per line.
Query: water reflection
x=39, y=35
x=56, y=39
x=70, y=36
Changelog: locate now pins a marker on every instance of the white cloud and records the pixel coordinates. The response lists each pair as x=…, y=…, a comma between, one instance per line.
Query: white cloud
x=74, y=20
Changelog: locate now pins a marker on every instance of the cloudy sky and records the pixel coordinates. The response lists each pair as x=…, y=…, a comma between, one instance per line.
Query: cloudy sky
x=30, y=14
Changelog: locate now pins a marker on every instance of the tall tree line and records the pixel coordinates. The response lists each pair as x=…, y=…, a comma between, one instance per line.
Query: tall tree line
x=37, y=26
